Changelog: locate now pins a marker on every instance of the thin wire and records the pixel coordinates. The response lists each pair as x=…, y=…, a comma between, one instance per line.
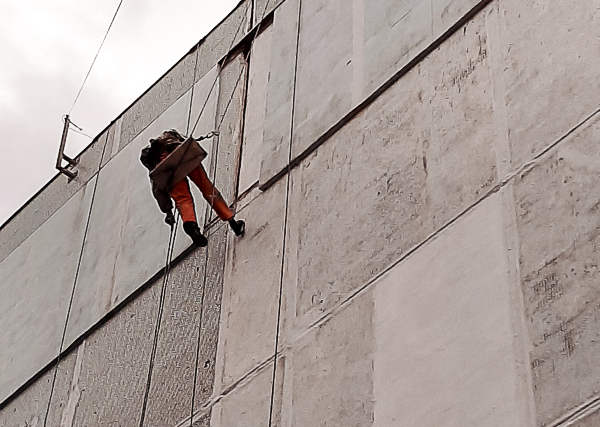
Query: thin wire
x=82, y=133
x=62, y=341
x=96, y=57
x=284, y=245
x=161, y=305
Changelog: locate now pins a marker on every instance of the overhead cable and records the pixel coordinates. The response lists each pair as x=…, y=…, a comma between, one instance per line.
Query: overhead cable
x=96, y=57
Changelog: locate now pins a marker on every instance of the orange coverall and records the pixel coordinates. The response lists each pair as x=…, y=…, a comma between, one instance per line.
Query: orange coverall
x=185, y=202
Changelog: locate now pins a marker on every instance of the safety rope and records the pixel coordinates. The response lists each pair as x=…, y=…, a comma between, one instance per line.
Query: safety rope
x=64, y=333
x=96, y=57
x=161, y=305
x=285, y=225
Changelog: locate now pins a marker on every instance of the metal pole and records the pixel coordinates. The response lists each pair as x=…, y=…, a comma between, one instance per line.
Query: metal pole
x=63, y=142
x=61, y=154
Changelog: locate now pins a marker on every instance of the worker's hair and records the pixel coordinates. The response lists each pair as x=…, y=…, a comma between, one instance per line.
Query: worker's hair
x=169, y=134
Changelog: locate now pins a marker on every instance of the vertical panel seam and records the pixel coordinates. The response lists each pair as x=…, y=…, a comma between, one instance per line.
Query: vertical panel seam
x=285, y=223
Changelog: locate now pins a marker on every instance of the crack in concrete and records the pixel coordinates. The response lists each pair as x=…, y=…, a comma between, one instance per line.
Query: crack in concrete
x=577, y=414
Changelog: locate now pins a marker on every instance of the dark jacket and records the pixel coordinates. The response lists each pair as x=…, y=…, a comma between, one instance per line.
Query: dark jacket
x=182, y=159
x=151, y=154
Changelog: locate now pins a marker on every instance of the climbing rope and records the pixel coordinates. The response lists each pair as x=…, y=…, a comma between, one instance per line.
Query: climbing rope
x=96, y=57
x=161, y=305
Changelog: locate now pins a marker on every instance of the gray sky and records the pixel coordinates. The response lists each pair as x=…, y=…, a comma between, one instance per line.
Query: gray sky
x=47, y=47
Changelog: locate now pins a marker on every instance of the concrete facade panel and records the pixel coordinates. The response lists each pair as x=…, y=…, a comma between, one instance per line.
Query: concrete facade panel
x=42, y=206
x=170, y=395
x=280, y=91
x=211, y=315
x=460, y=156
x=127, y=239
x=558, y=199
x=591, y=420
x=323, y=87
x=251, y=287
x=548, y=46
x=263, y=7
x=227, y=35
x=258, y=81
x=405, y=166
x=445, y=341
x=113, y=144
x=115, y=366
x=394, y=33
x=36, y=280
x=29, y=408
x=557, y=202
x=247, y=405
x=340, y=196
x=332, y=372
x=446, y=13
x=158, y=99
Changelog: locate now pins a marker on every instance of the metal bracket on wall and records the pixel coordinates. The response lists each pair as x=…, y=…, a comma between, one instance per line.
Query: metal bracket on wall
x=62, y=156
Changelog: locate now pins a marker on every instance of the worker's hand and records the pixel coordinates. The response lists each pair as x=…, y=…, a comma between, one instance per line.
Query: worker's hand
x=170, y=219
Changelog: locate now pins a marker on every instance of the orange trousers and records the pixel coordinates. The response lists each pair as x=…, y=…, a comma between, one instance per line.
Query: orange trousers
x=185, y=203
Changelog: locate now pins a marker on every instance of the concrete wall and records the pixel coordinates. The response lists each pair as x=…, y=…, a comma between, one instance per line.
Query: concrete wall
x=420, y=186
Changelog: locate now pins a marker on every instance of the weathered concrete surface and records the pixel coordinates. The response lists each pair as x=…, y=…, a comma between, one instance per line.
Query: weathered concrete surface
x=113, y=142
x=226, y=35
x=412, y=161
x=211, y=315
x=394, y=33
x=258, y=81
x=158, y=99
x=251, y=288
x=36, y=281
x=347, y=50
x=280, y=91
x=30, y=407
x=42, y=206
x=444, y=331
x=248, y=405
x=557, y=204
x=115, y=366
x=558, y=199
x=170, y=396
x=127, y=239
x=548, y=50
x=263, y=7
x=447, y=13
x=103, y=381
x=332, y=369
x=592, y=420
x=323, y=94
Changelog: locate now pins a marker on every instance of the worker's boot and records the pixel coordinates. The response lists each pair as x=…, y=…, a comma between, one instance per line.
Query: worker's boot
x=238, y=227
x=192, y=230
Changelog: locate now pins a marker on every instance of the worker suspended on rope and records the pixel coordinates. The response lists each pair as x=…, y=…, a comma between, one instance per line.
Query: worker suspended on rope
x=171, y=159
